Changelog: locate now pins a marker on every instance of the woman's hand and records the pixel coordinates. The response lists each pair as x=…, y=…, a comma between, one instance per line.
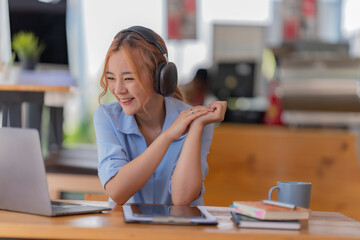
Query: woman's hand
x=182, y=123
x=217, y=114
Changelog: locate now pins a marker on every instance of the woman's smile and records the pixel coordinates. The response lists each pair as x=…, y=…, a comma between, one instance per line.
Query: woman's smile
x=126, y=101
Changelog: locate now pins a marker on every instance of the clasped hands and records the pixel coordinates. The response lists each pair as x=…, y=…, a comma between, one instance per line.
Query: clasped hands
x=197, y=117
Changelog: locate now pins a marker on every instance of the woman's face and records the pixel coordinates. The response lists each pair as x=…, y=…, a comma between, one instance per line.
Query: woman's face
x=125, y=87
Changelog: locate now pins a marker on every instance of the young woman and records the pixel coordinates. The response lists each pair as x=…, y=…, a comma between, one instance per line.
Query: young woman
x=152, y=146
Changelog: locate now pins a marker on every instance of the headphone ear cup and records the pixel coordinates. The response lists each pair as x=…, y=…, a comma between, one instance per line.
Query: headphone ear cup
x=166, y=78
x=157, y=77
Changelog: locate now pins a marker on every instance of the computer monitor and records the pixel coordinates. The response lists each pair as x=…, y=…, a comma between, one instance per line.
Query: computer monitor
x=233, y=79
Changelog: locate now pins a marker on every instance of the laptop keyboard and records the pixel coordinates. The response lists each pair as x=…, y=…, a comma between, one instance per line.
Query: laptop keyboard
x=62, y=206
x=66, y=208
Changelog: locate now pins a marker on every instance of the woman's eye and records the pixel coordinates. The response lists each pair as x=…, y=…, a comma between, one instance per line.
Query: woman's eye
x=110, y=78
x=129, y=78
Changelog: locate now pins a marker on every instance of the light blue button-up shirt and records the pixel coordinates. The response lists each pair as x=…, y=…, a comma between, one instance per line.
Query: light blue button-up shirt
x=119, y=141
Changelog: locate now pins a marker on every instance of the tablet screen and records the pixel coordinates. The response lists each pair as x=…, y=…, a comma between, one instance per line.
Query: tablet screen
x=167, y=214
x=166, y=211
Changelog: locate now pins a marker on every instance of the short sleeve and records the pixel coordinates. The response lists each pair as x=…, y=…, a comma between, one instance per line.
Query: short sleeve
x=111, y=154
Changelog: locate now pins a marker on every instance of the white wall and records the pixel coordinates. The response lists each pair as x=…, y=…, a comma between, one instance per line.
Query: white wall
x=103, y=19
x=350, y=17
x=94, y=24
x=5, y=42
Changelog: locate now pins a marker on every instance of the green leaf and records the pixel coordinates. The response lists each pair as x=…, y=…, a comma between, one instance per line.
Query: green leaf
x=26, y=45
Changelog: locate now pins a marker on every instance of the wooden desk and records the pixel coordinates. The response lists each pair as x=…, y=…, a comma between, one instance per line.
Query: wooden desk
x=33, y=88
x=322, y=225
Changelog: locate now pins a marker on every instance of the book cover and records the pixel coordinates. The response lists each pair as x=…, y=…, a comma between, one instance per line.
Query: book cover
x=264, y=211
x=249, y=222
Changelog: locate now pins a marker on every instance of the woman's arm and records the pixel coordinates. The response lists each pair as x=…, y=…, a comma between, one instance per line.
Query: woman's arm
x=187, y=178
x=186, y=182
x=132, y=176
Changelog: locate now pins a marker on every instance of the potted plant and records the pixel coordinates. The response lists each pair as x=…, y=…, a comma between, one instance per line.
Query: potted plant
x=27, y=47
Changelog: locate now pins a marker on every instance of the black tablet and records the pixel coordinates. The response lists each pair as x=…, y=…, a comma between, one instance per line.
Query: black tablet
x=167, y=214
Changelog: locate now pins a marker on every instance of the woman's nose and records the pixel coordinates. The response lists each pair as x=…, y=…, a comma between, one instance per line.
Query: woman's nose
x=120, y=87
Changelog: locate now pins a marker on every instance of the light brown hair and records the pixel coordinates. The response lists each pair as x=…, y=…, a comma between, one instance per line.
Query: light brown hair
x=140, y=54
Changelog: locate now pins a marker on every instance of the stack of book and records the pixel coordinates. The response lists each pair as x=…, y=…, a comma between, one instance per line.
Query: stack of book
x=249, y=214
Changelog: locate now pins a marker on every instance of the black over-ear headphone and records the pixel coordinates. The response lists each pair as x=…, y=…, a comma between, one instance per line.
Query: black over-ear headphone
x=165, y=79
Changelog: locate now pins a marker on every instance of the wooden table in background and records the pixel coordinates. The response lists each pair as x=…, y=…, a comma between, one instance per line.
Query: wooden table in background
x=33, y=88
x=245, y=161
x=13, y=95
x=111, y=225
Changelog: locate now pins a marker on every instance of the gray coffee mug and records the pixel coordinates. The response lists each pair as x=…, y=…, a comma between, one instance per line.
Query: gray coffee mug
x=297, y=193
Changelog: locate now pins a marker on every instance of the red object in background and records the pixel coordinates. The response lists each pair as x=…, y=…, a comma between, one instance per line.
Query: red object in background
x=274, y=111
x=190, y=5
x=174, y=27
x=181, y=18
x=291, y=29
x=309, y=8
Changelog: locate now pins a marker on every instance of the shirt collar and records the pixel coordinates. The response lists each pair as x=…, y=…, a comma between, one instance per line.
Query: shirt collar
x=128, y=125
x=172, y=112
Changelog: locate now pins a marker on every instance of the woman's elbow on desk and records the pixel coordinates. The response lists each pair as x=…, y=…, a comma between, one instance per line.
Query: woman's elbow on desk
x=181, y=202
x=118, y=196
x=118, y=199
x=184, y=199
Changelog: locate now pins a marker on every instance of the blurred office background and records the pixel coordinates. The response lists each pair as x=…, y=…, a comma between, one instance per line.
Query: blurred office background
x=289, y=70
x=276, y=62
x=242, y=45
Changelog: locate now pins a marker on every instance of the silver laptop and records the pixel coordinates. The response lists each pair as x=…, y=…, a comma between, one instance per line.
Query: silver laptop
x=23, y=184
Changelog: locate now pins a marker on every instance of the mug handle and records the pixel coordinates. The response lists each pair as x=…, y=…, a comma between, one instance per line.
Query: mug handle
x=271, y=190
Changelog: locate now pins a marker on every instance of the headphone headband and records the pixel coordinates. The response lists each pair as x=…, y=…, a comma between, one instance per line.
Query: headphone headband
x=148, y=35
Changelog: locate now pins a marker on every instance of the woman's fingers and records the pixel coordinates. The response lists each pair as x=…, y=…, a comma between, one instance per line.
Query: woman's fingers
x=219, y=109
x=182, y=123
x=194, y=113
x=203, y=115
x=216, y=112
x=199, y=109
